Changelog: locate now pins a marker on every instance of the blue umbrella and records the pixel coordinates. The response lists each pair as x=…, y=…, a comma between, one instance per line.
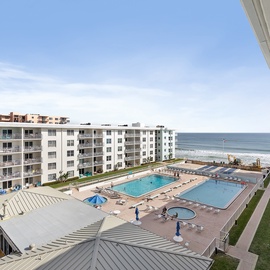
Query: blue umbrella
x=177, y=229
x=137, y=213
x=96, y=199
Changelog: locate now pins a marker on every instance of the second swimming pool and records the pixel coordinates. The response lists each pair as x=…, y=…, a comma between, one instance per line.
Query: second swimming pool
x=144, y=185
x=215, y=193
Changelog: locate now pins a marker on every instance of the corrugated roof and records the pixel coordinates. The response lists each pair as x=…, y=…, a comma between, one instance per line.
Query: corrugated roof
x=105, y=248
x=26, y=200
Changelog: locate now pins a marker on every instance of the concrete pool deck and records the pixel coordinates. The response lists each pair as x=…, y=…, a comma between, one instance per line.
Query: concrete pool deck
x=197, y=240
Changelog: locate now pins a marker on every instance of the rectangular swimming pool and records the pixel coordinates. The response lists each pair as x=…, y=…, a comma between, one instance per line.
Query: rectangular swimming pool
x=144, y=185
x=216, y=193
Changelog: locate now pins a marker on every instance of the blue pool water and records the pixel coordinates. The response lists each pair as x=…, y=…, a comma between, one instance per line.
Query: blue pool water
x=183, y=212
x=214, y=193
x=144, y=185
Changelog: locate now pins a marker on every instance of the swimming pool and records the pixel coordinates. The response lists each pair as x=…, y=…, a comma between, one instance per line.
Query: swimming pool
x=216, y=193
x=144, y=185
x=183, y=212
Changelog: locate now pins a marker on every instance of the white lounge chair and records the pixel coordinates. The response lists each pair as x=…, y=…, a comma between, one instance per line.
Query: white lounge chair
x=199, y=228
x=216, y=211
x=209, y=209
x=137, y=204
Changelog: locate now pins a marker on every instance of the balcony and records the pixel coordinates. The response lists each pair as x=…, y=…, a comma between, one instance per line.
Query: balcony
x=36, y=136
x=132, y=158
x=32, y=173
x=85, y=165
x=129, y=134
x=85, y=155
x=16, y=136
x=98, y=145
x=10, y=163
x=86, y=145
x=32, y=161
x=14, y=175
x=96, y=163
x=137, y=134
x=32, y=148
x=85, y=136
x=15, y=149
x=129, y=142
x=98, y=154
x=98, y=135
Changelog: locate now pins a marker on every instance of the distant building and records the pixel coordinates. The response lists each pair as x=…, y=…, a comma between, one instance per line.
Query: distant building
x=33, y=118
x=36, y=153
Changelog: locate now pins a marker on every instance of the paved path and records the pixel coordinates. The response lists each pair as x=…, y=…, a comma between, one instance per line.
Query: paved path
x=248, y=260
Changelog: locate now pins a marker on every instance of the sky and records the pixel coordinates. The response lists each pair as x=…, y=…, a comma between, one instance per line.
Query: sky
x=194, y=66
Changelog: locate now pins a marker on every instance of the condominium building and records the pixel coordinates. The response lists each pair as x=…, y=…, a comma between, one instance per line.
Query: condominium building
x=33, y=118
x=37, y=153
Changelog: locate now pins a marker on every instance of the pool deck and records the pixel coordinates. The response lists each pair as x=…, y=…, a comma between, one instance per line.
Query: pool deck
x=197, y=241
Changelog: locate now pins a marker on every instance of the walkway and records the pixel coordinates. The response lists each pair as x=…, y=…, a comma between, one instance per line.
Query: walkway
x=240, y=250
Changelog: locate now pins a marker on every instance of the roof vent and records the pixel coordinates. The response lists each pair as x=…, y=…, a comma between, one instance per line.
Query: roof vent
x=32, y=246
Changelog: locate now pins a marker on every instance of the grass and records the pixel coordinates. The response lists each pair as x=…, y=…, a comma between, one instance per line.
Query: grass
x=104, y=176
x=242, y=221
x=261, y=244
x=224, y=262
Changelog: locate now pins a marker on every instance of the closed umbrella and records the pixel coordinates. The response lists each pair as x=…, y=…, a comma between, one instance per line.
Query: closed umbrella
x=178, y=237
x=137, y=221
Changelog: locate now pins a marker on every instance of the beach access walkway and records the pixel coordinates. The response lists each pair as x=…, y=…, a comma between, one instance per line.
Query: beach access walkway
x=240, y=251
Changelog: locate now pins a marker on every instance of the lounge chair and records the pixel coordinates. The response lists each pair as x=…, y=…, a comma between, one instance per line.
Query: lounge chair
x=216, y=211
x=137, y=204
x=148, y=208
x=191, y=225
x=209, y=209
x=199, y=228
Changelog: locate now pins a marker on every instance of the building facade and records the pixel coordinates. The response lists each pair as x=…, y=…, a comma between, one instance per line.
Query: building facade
x=38, y=153
x=33, y=118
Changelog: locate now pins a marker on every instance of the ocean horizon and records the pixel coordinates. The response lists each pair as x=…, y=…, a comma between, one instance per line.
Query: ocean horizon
x=216, y=146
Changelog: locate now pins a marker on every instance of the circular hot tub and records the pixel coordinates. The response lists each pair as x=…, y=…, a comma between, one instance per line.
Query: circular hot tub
x=183, y=212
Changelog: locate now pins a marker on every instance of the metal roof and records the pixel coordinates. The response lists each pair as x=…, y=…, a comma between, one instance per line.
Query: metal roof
x=26, y=200
x=110, y=243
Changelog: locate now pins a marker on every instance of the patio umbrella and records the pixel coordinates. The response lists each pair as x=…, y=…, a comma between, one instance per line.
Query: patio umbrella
x=137, y=221
x=96, y=199
x=178, y=237
x=137, y=213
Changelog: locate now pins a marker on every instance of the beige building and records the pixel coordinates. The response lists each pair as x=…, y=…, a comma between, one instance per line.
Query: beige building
x=33, y=118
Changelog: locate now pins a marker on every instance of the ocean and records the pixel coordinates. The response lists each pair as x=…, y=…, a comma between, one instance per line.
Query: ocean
x=216, y=147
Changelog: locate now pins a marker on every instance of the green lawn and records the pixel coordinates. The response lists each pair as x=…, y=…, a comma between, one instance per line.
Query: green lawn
x=224, y=262
x=242, y=221
x=261, y=242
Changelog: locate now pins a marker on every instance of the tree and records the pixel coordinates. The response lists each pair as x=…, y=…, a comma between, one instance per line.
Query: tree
x=63, y=176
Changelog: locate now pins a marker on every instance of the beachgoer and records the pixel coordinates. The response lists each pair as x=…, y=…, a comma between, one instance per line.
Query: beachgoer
x=175, y=215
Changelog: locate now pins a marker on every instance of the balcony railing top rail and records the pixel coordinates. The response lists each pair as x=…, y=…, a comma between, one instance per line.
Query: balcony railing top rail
x=15, y=136
x=10, y=176
x=32, y=160
x=11, y=149
x=10, y=163
x=32, y=148
x=33, y=136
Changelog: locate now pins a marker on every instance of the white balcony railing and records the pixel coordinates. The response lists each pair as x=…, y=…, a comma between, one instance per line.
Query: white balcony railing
x=10, y=176
x=15, y=149
x=15, y=136
x=32, y=160
x=32, y=136
x=32, y=148
x=10, y=163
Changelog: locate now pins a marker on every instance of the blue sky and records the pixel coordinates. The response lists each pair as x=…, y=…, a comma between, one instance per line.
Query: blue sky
x=190, y=65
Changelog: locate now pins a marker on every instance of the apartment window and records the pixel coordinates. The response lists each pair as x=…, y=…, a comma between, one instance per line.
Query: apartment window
x=119, y=156
x=50, y=118
x=164, y=143
x=151, y=132
x=151, y=145
x=51, y=143
x=109, y=132
x=109, y=149
x=109, y=166
x=119, y=164
x=144, y=146
x=144, y=132
x=109, y=140
x=120, y=140
x=120, y=148
x=70, y=153
x=51, y=166
x=144, y=153
x=52, y=155
x=70, y=142
x=119, y=132
x=52, y=132
x=70, y=173
x=51, y=176
x=144, y=139
x=70, y=132
x=151, y=152
x=109, y=158
x=70, y=163
x=151, y=139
